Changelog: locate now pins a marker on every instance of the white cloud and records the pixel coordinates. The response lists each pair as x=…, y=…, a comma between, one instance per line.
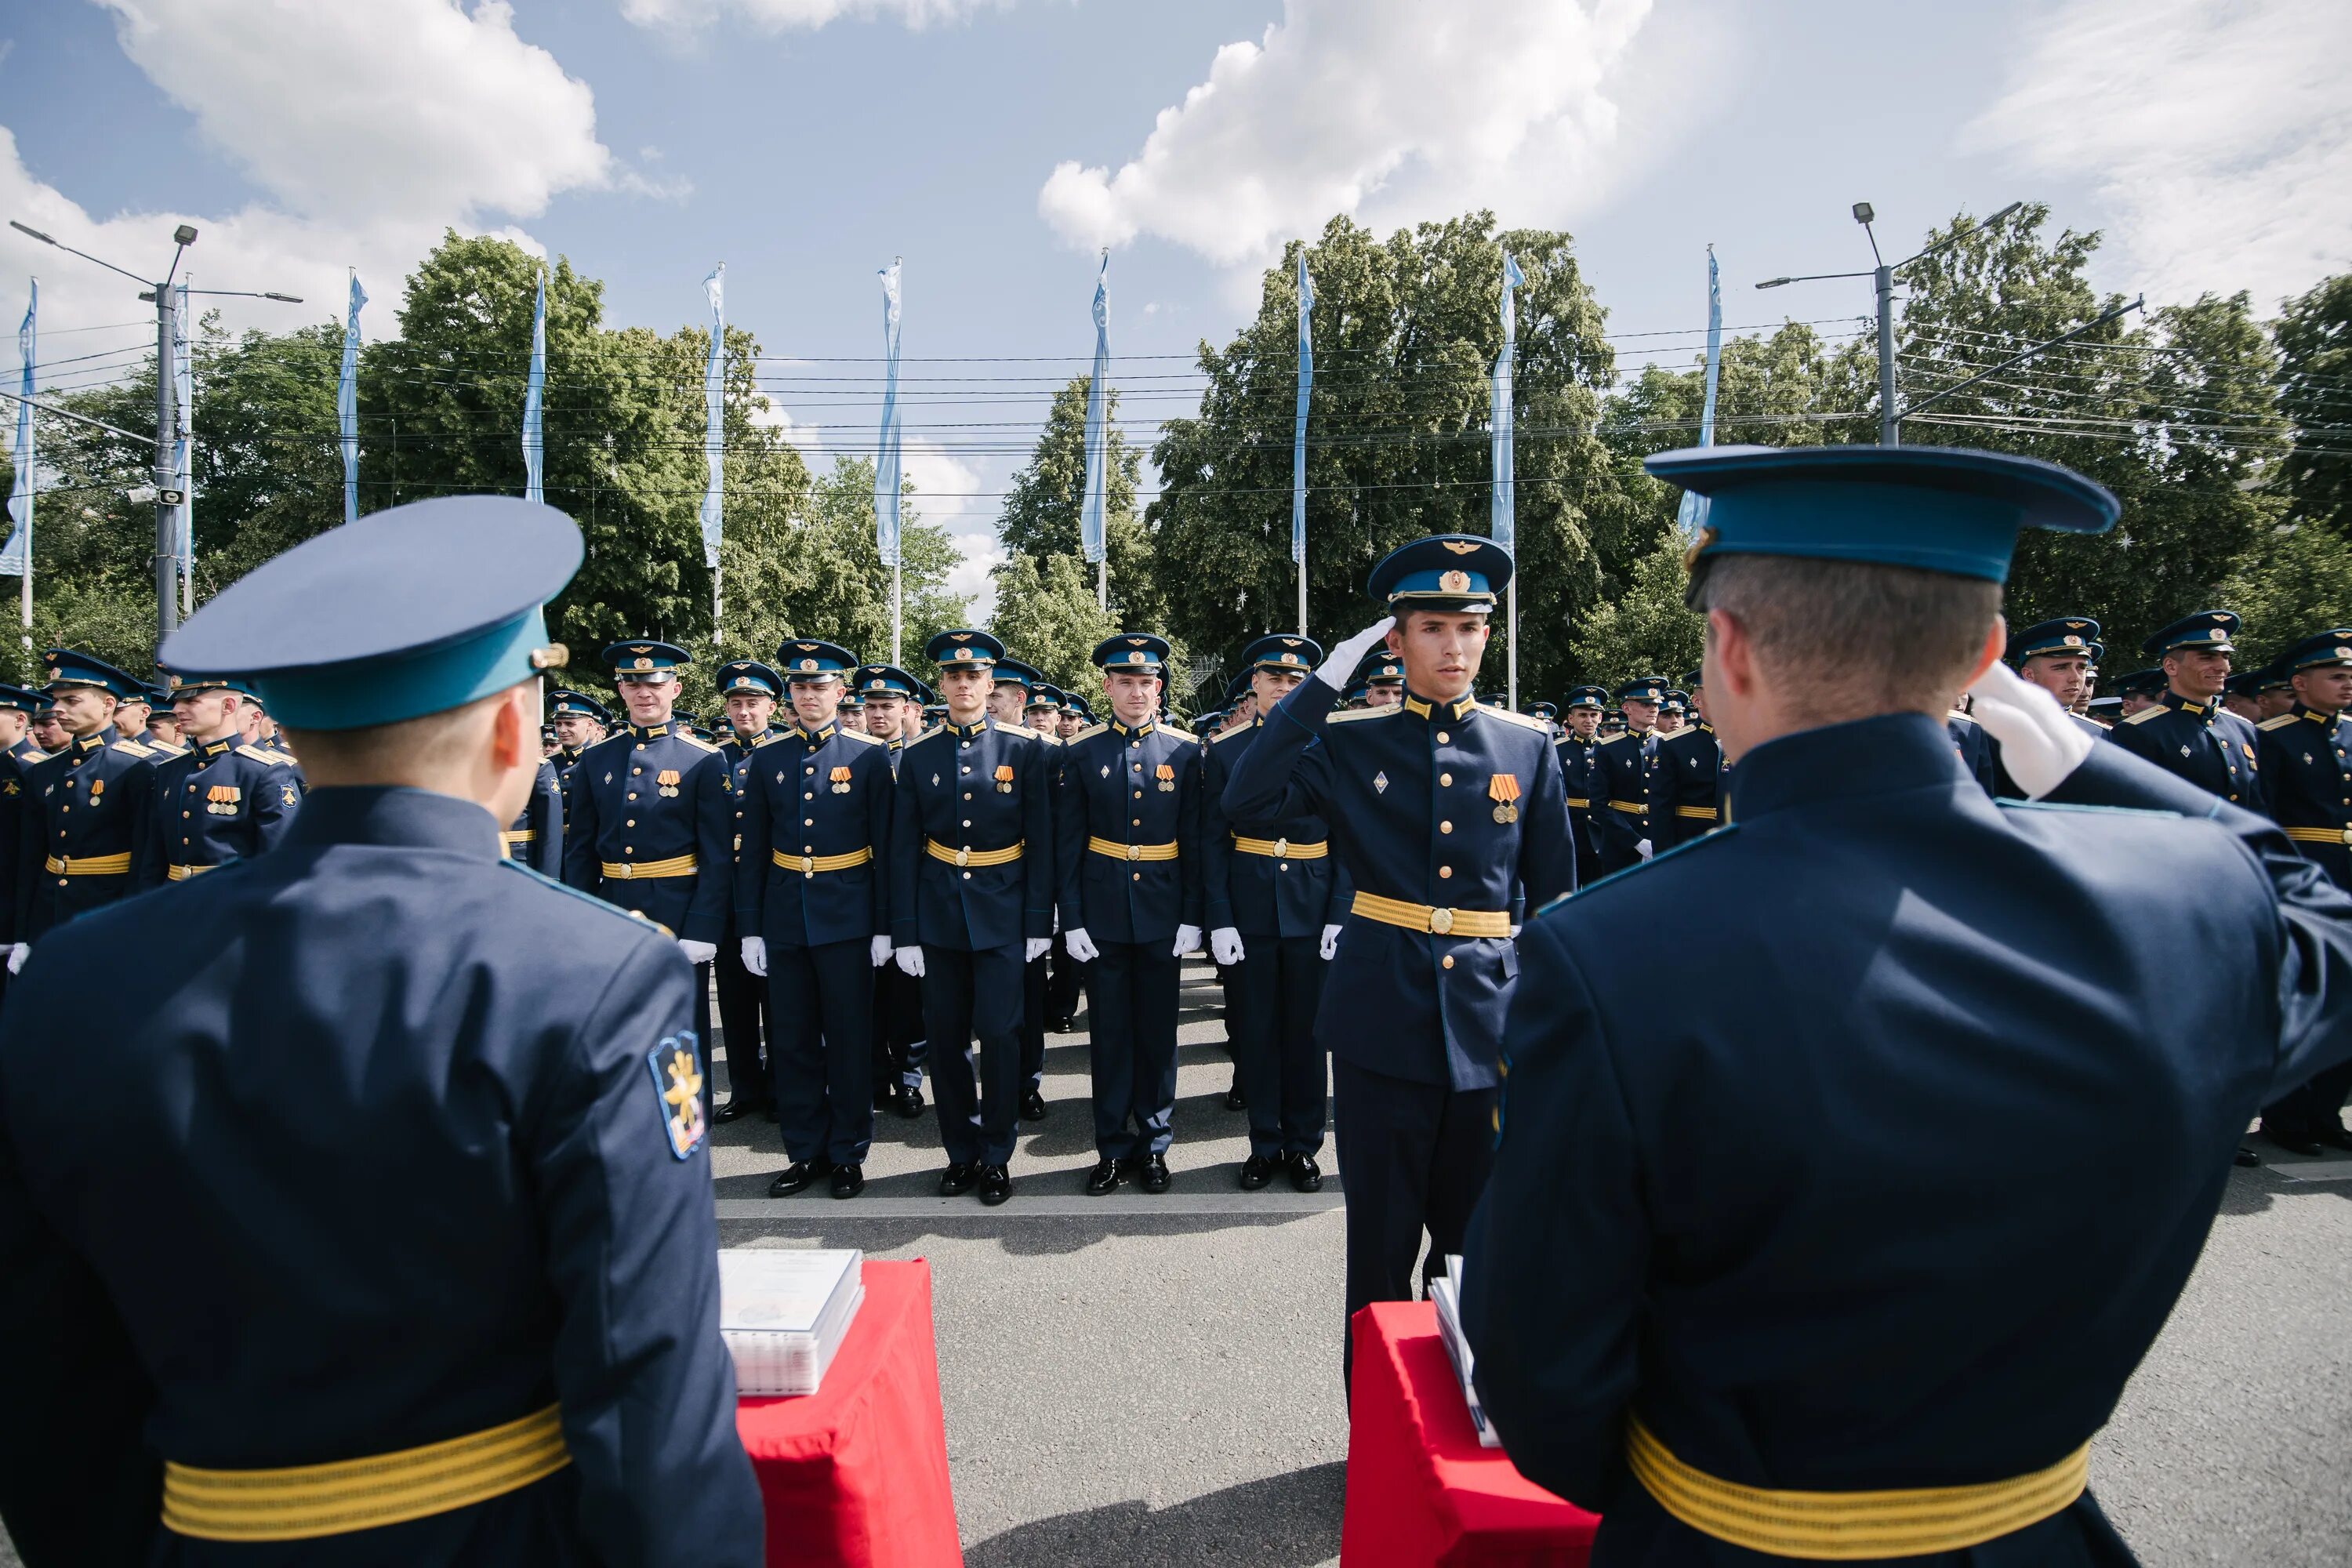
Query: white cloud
x=970, y=578
x=777, y=15
x=1391, y=109
x=2218, y=132
x=370, y=127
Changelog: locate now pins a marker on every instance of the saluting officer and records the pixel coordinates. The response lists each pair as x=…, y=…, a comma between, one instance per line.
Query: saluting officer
x=1623, y=777
x=892, y=697
x=1762, y=1279
x=2307, y=759
x=651, y=820
x=1274, y=906
x=972, y=889
x=750, y=690
x=378, y=1031
x=1129, y=823
x=811, y=900
x=221, y=800
x=2186, y=731
x=1579, y=766
x=1686, y=800
x=1446, y=812
x=88, y=807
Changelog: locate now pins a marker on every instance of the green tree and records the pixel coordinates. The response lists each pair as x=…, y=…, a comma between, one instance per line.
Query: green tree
x=2298, y=581
x=1040, y=516
x=1645, y=630
x=1046, y=617
x=2314, y=380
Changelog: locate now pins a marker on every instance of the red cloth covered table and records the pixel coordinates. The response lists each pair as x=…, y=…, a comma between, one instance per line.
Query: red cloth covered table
x=856, y=1475
x=1420, y=1489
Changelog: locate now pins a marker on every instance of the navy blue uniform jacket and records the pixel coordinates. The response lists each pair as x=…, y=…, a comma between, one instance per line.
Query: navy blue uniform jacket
x=1901, y=1194
x=392, y=1167
x=985, y=787
x=2203, y=742
x=2307, y=764
x=644, y=795
x=1125, y=786
x=91, y=800
x=1622, y=771
x=1263, y=895
x=1686, y=793
x=214, y=803
x=1410, y=793
x=536, y=837
x=792, y=802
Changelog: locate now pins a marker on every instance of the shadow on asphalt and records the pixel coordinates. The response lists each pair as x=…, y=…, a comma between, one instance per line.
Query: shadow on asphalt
x=1032, y=1238
x=1283, y=1522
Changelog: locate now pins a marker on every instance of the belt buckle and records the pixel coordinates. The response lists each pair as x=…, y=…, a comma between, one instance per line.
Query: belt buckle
x=1135, y=852
x=624, y=871
x=1282, y=848
x=963, y=854
x=1441, y=920
x=808, y=865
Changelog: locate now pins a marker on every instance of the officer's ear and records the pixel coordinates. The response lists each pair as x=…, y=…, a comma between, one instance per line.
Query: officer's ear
x=1996, y=644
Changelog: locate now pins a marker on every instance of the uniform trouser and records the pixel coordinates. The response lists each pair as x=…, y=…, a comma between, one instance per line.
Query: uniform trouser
x=822, y=998
x=1226, y=1016
x=897, y=1029
x=967, y=993
x=703, y=1034
x=1065, y=986
x=742, y=1006
x=1274, y=993
x=1613, y=857
x=1414, y=1157
x=1131, y=1048
x=1033, y=1024
x=2314, y=1112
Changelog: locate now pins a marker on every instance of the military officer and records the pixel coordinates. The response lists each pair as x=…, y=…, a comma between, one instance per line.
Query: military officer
x=163, y=733
x=18, y=708
x=1744, y=1282
x=221, y=800
x=2054, y=655
x=750, y=690
x=972, y=891
x=2276, y=693
x=1686, y=801
x=132, y=712
x=580, y=722
x=2242, y=695
x=2138, y=691
x=48, y=730
x=1043, y=712
x=1434, y=799
x=813, y=903
x=464, y=1068
x=2307, y=765
x=1671, y=710
x=71, y=861
x=1622, y=779
x=650, y=822
x=892, y=697
x=1547, y=711
x=1274, y=907
x=2187, y=732
x=1381, y=674
x=1020, y=698
x=1579, y=758
x=535, y=837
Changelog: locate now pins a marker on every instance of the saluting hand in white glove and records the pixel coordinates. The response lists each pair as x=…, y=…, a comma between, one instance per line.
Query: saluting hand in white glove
x=1340, y=665
x=2039, y=745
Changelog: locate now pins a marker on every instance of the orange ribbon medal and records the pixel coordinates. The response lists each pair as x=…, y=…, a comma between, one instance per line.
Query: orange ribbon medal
x=1503, y=789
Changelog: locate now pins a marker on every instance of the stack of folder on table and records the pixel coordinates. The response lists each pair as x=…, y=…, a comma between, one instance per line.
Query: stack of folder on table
x=1446, y=1292
x=783, y=1312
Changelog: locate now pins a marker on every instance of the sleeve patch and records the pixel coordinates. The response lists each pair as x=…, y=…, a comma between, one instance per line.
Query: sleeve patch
x=678, y=1085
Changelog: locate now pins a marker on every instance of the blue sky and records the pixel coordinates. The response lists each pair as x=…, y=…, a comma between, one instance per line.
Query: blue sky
x=995, y=143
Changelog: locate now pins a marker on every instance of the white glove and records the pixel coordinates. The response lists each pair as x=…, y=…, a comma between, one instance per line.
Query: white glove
x=1340, y=663
x=698, y=951
x=17, y=952
x=1330, y=942
x=1081, y=946
x=1034, y=948
x=2039, y=745
x=1188, y=940
x=1641, y=847
x=755, y=954
x=1226, y=945
x=1514, y=932
x=910, y=960
x=881, y=950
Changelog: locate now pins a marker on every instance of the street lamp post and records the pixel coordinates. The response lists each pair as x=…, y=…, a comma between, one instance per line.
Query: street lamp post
x=168, y=496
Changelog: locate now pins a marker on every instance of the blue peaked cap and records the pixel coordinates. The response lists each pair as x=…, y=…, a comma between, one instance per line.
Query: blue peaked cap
x=1935, y=509
x=806, y=656
x=1449, y=571
x=68, y=667
x=963, y=647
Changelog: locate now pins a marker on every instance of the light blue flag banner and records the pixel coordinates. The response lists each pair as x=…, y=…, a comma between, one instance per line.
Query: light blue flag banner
x=714, y=417
x=183, y=477
x=889, y=472
x=1090, y=512
x=1692, y=515
x=16, y=554
x=347, y=401
x=1502, y=506
x=534, y=433
x=1298, y=422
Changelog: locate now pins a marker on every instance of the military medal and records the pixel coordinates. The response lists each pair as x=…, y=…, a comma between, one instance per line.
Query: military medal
x=1167, y=776
x=667, y=780
x=1503, y=789
x=841, y=781
x=1005, y=778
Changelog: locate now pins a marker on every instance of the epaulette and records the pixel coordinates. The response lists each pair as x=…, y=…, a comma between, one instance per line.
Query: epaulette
x=1001, y=728
x=165, y=747
x=1049, y=740
x=34, y=755
x=1620, y=735
x=1660, y=858
x=1523, y=721
x=919, y=740
x=1390, y=712
x=263, y=754
x=133, y=747
x=1963, y=718
x=2144, y=714
x=2281, y=722
x=609, y=908
x=694, y=740
x=1182, y=735
x=860, y=736
x=769, y=738
x=1238, y=730
x=1089, y=733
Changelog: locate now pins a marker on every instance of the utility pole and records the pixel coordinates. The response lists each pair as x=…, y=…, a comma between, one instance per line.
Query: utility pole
x=168, y=498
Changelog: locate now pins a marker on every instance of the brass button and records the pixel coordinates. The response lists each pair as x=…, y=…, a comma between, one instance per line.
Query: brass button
x=1444, y=871
x=1445, y=962
x=636, y=769
x=1137, y=876
x=808, y=822
x=1445, y=827
x=967, y=875
x=1445, y=778
x=1443, y=737
x=633, y=794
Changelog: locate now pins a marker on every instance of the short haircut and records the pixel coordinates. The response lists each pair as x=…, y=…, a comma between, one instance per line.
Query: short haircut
x=1847, y=640
x=412, y=746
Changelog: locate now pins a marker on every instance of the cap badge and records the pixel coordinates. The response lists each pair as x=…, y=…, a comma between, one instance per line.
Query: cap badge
x=1454, y=582
x=959, y=636
x=1458, y=547
x=963, y=653
x=807, y=663
x=2077, y=625
x=1135, y=642
x=2072, y=640
x=643, y=663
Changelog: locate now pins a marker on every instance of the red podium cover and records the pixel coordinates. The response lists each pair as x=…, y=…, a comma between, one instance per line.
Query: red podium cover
x=856, y=1475
x=1420, y=1489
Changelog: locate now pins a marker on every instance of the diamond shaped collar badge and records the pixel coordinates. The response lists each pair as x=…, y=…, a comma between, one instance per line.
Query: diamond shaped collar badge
x=1379, y=783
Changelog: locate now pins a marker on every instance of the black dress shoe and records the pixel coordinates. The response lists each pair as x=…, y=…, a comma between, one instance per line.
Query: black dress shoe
x=1306, y=1176
x=1104, y=1178
x=1033, y=1106
x=1154, y=1177
x=1235, y=1100
x=849, y=1181
x=2245, y=1156
x=797, y=1177
x=957, y=1180
x=736, y=1106
x=1061, y=1026
x=2335, y=1137
x=995, y=1184
x=1256, y=1172
x=2295, y=1143
x=910, y=1102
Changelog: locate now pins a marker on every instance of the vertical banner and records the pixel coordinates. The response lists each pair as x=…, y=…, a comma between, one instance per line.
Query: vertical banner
x=887, y=471
x=183, y=379
x=347, y=401
x=1502, y=506
x=534, y=434
x=1090, y=512
x=1691, y=516
x=1299, y=421
x=16, y=554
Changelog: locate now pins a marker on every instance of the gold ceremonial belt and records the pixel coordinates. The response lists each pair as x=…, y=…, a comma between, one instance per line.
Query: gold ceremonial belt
x=810, y=865
x=1443, y=922
x=88, y=865
x=2321, y=835
x=622, y=871
x=1842, y=1526
x=181, y=873
x=1282, y=848
x=308, y=1501
x=1634, y=806
x=939, y=851
x=1117, y=851
x=1580, y=800
x=1701, y=813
